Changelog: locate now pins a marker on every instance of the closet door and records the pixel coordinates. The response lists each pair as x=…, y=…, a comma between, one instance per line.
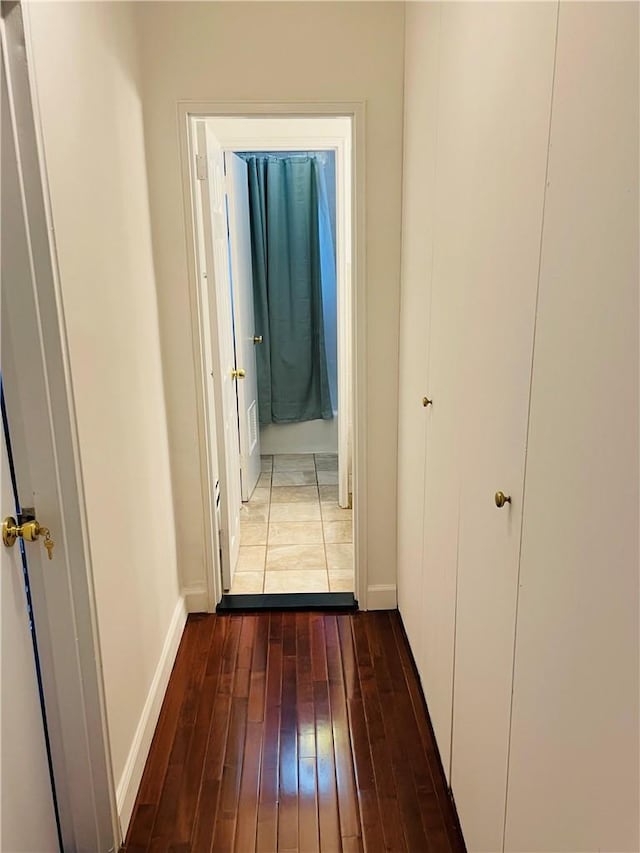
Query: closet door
x=496, y=82
x=417, y=247
x=573, y=770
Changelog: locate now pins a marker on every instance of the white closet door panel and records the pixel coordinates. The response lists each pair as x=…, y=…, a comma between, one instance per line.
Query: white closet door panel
x=497, y=72
x=417, y=242
x=573, y=780
x=442, y=484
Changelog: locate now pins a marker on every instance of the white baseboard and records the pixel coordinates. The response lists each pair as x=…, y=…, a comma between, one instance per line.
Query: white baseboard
x=196, y=598
x=129, y=783
x=382, y=597
x=317, y=436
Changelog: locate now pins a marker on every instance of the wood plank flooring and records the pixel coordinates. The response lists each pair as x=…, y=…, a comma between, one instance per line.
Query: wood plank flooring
x=293, y=732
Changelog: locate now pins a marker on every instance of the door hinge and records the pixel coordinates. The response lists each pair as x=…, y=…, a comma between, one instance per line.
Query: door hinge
x=201, y=167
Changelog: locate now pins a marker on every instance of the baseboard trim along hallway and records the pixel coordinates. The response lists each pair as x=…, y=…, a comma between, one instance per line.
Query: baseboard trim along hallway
x=129, y=783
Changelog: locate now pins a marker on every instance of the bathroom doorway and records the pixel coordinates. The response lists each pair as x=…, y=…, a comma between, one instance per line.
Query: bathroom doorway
x=273, y=201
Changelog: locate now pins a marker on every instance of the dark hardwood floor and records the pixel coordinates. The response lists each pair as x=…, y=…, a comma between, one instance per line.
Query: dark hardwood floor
x=293, y=732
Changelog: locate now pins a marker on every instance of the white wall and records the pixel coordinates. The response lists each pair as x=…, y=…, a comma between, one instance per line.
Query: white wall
x=87, y=82
x=278, y=52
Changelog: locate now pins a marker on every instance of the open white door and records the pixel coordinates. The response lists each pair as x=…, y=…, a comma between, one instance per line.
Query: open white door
x=27, y=817
x=27, y=820
x=220, y=360
x=246, y=339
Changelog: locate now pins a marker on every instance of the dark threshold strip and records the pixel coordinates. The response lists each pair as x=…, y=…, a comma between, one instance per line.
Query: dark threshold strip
x=343, y=602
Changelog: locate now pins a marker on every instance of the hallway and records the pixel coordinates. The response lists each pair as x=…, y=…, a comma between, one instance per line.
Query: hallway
x=294, y=731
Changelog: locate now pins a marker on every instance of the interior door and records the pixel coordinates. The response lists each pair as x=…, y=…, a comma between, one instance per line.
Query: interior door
x=27, y=819
x=573, y=769
x=246, y=340
x=221, y=362
x=496, y=131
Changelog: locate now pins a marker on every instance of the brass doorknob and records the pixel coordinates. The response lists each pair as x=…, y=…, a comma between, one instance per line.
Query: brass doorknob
x=257, y=339
x=427, y=402
x=502, y=499
x=238, y=374
x=29, y=531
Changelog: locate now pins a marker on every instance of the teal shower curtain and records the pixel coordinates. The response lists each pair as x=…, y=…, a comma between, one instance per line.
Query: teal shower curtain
x=285, y=198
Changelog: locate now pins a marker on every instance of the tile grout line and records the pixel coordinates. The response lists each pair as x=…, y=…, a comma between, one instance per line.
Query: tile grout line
x=266, y=547
x=323, y=521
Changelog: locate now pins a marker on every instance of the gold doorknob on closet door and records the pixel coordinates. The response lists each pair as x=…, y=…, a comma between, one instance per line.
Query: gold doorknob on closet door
x=427, y=402
x=29, y=531
x=257, y=339
x=502, y=499
x=238, y=374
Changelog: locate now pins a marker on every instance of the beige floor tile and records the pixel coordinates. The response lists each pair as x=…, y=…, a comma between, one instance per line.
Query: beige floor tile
x=247, y=582
x=297, y=557
x=294, y=478
x=288, y=581
x=326, y=461
x=251, y=558
x=258, y=514
x=266, y=463
x=294, y=462
x=303, y=511
x=339, y=556
x=296, y=533
x=294, y=494
x=337, y=531
x=328, y=494
x=333, y=512
x=260, y=495
x=264, y=480
x=341, y=580
x=253, y=534
x=327, y=478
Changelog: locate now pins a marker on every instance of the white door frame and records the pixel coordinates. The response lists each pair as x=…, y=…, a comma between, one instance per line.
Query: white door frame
x=356, y=324
x=216, y=314
x=302, y=140
x=62, y=593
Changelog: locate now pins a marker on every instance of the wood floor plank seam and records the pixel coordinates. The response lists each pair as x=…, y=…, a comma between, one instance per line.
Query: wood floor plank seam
x=419, y=834
x=434, y=763
x=267, y=830
x=189, y=795
x=222, y=706
x=167, y=806
x=348, y=810
x=367, y=795
x=294, y=732
x=430, y=814
x=215, y=667
x=386, y=789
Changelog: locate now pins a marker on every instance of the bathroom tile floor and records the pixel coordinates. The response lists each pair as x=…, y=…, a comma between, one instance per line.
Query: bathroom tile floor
x=294, y=537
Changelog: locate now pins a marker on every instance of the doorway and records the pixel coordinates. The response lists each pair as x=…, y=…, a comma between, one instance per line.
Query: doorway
x=280, y=465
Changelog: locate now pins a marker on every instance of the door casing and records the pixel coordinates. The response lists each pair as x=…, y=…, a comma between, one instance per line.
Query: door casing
x=188, y=111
